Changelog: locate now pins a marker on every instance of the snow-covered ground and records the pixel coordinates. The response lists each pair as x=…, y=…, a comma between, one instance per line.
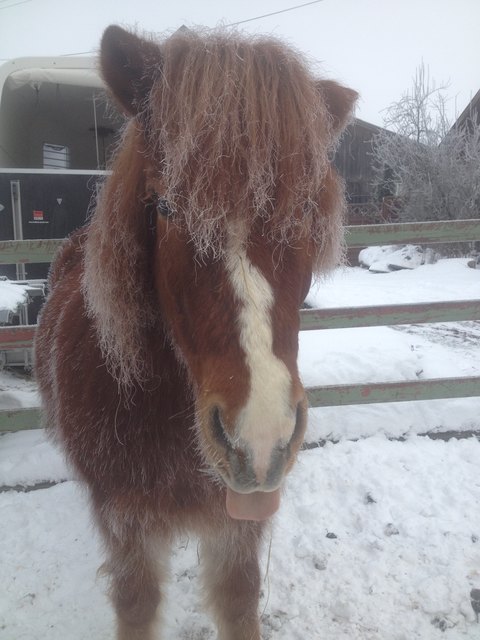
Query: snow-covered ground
x=389, y=354
x=376, y=539
x=11, y=295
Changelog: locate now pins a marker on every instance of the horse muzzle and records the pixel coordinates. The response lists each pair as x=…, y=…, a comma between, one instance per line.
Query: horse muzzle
x=254, y=471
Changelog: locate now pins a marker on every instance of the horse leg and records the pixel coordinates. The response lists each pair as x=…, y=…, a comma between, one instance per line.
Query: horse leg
x=135, y=594
x=137, y=569
x=232, y=579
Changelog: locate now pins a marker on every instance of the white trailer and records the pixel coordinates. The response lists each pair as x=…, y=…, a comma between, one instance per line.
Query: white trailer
x=57, y=131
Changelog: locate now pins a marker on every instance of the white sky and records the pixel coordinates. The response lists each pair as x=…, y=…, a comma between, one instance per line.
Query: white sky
x=373, y=46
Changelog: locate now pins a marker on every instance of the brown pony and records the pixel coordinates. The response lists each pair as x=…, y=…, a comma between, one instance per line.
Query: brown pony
x=166, y=353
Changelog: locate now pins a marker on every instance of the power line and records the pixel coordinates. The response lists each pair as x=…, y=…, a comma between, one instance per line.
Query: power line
x=274, y=13
x=15, y=4
x=233, y=24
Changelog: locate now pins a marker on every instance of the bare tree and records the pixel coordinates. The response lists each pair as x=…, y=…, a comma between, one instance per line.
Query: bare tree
x=430, y=169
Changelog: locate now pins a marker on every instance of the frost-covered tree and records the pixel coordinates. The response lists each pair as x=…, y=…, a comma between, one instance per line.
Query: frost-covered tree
x=429, y=168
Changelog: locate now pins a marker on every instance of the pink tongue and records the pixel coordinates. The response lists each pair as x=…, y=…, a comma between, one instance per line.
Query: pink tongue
x=258, y=505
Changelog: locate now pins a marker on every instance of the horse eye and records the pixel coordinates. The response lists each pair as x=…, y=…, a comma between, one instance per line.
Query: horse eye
x=163, y=207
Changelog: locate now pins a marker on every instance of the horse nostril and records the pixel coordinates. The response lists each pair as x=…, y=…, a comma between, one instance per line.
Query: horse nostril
x=282, y=456
x=300, y=425
x=218, y=430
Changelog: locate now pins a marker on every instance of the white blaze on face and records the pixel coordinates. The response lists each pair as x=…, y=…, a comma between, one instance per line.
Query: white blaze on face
x=267, y=419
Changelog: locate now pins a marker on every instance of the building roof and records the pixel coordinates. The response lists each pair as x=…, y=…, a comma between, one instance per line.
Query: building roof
x=471, y=111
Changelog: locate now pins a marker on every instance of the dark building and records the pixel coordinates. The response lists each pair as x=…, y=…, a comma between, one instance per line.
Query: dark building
x=354, y=161
x=470, y=113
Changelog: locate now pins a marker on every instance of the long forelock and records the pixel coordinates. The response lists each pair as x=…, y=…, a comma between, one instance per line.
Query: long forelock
x=238, y=130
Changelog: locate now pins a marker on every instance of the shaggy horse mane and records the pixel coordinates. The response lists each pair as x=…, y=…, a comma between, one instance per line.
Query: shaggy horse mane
x=239, y=130
x=227, y=128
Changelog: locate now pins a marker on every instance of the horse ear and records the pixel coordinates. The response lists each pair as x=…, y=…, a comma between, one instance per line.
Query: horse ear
x=339, y=101
x=127, y=64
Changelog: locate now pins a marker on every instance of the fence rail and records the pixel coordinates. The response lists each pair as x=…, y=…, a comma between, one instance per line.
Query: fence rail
x=38, y=251
x=391, y=314
x=28, y=251
x=31, y=251
x=21, y=337
x=443, y=231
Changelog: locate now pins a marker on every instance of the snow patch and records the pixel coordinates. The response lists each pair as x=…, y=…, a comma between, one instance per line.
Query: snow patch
x=11, y=295
x=391, y=258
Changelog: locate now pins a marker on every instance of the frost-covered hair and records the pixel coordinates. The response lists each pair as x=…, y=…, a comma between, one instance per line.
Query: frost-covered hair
x=239, y=130
x=227, y=128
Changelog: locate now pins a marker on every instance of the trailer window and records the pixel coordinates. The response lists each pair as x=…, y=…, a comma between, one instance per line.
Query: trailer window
x=56, y=156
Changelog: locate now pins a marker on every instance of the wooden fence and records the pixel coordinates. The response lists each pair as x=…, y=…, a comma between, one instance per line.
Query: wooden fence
x=20, y=337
